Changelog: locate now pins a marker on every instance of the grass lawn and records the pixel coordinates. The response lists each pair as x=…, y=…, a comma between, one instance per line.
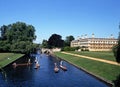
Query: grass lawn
x=6, y=58
x=102, y=55
x=107, y=71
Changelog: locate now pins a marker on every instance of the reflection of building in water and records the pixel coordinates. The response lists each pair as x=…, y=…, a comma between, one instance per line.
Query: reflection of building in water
x=95, y=44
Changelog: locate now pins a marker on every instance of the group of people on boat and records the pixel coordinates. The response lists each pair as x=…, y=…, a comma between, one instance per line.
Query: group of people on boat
x=37, y=65
x=56, y=69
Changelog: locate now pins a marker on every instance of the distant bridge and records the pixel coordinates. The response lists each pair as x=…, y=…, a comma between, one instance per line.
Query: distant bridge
x=46, y=50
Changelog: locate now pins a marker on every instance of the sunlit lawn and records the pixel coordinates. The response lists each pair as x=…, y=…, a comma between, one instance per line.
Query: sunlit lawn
x=6, y=58
x=107, y=71
x=102, y=55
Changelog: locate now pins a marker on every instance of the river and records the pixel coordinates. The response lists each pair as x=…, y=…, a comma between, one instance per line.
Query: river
x=28, y=76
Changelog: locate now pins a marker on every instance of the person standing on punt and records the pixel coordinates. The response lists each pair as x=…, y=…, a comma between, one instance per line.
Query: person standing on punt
x=61, y=62
x=28, y=61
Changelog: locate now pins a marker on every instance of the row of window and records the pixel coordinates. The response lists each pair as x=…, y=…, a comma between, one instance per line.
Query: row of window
x=100, y=47
x=103, y=42
x=93, y=44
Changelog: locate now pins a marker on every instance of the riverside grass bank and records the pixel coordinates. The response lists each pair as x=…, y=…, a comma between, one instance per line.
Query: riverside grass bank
x=7, y=58
x=104, y=71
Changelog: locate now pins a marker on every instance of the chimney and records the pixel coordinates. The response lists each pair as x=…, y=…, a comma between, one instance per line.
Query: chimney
x=86, y=36
x=78, y=37
x=111, y=36
x=82, y=37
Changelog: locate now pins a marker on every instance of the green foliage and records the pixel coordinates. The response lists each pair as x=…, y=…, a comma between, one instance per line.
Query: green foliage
x=3, y=30
x=4, y=46
x=68, y=40
x=116, y=49
x=55, y=41
x=45, y=44
x=118, y=55
x=117, y=81
x=67, y=48
x=17, y=37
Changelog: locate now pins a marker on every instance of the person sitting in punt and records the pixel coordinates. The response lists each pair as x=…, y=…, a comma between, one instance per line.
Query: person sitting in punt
x=14, y=65
x=56, y=69
x=37, y=64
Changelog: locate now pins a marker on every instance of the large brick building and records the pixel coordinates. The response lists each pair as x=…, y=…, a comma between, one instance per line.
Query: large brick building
x=95, y=44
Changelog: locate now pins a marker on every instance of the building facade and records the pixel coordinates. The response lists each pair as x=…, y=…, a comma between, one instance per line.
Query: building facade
x=95, y=44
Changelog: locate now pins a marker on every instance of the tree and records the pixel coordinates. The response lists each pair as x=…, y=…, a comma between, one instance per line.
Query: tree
x=117, y=81
x=68, y=40
x=44, y=43
x=116, y=49
x=17, y=37
x=55, y=41
x=20, y=31
x=3, y=30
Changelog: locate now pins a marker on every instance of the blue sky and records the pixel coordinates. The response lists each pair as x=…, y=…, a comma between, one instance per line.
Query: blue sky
x=64, y=17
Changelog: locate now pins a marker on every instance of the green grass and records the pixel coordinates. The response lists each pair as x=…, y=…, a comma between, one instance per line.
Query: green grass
x=101, y=55
x=6, y=58
x=107, y=71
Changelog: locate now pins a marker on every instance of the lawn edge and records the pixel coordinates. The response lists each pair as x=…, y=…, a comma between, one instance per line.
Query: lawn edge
x=107, y=82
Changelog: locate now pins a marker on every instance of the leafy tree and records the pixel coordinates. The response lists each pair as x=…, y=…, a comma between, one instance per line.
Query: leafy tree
x=68, y=40
x=67, y=48
x=3, y=30
x=17, y=37
x=117, y=81
x=4, y=46
x=55, y=41
x=116, y=49
x=44, y=43
x=20, y=31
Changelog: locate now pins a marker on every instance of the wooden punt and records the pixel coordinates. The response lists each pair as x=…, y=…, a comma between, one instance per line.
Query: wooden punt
x=23, y=64
x=63, y=68
x=37, y=66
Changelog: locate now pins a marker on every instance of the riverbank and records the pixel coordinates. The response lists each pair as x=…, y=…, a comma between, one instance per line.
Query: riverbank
x=7, y=58
x=104, y=71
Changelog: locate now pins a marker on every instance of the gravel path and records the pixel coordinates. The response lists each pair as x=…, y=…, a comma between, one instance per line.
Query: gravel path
x=93, y=58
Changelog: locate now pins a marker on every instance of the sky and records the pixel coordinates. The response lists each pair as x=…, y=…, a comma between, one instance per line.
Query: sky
x=64, y=17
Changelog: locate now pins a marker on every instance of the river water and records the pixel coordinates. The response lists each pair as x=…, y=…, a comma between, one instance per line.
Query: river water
x=27, y=76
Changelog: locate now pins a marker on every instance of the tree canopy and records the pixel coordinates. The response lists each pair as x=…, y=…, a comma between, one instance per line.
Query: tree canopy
x=116, y=49
x=44, y=43
x=55, y=41
x=68, y=40
x=17, y=37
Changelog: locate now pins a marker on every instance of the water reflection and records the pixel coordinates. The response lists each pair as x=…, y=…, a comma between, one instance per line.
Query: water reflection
x=27, y=76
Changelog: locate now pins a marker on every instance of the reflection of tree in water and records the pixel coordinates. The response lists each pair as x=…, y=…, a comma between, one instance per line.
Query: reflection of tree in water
x=3, y=73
